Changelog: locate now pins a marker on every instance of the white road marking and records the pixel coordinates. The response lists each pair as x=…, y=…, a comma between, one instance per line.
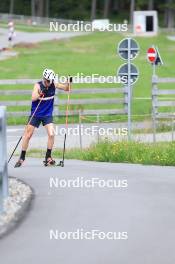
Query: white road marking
x=14, y=129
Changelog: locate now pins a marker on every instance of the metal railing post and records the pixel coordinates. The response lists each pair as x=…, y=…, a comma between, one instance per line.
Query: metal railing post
x=154, y=109
x=3, y=154
x=80, y=130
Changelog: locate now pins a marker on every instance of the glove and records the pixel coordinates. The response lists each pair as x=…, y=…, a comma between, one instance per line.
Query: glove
x=69, y=79
x=43, y=92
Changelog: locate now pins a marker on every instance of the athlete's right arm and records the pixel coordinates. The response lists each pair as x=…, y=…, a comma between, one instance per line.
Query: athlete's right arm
x=36, y=92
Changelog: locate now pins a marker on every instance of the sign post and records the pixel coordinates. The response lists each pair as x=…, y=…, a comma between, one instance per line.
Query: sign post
x=154, y=58
x=128, y=50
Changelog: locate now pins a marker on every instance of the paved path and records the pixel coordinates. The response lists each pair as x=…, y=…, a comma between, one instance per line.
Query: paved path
x=146, y=210
x=39, y=140
x=34, y=37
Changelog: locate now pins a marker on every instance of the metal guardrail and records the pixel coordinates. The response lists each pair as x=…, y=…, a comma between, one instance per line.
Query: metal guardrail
x=162, y=98
x=3, y=157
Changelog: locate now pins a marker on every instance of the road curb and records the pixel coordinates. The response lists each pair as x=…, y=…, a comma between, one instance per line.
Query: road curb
x=20, y=215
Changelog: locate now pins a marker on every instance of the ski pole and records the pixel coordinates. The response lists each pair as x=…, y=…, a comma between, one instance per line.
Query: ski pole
x=67, y=115
x=25, y=128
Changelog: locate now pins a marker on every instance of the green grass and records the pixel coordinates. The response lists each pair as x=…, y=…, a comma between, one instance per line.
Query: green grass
x=95, y=53
x=121, y=152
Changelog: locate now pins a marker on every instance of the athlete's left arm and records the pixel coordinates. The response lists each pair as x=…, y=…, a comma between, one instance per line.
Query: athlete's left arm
x=62, y=86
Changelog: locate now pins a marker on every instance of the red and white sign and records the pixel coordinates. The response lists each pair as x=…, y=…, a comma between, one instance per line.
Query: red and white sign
x=152, y=55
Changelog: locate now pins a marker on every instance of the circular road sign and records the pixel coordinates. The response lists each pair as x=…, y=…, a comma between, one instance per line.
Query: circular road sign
x=128, y=46
x=152, y=55
x=123, y=73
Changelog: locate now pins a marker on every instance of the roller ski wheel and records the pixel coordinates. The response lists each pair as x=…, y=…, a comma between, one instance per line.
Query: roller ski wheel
x=49, y=162
x=61, y=163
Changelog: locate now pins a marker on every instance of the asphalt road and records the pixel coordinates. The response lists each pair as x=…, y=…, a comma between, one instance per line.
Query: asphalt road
x=34, y=37
x=145, y=210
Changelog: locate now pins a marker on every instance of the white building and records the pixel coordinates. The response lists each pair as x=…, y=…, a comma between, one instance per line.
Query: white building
x=145, y=23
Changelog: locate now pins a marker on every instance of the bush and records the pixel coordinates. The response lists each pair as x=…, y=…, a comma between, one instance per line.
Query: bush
x=127, y=152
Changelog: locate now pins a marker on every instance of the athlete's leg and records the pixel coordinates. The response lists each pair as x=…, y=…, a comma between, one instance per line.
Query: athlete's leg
x=50, y=133
x=34, y=123
x=25, y=142
x=27, y=136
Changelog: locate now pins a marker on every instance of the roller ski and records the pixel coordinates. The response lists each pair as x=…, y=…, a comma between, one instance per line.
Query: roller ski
x=19, y=163
x=49, y=162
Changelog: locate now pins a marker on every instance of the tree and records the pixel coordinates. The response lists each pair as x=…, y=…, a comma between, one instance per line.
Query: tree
x=93, y=9
x=33, y=8
x=132, y=8
x=11, y=11
x=150, y=4
x=115, y=5
x=39, y=8
x=169, y=13
x=106, y=8
x=47, y=8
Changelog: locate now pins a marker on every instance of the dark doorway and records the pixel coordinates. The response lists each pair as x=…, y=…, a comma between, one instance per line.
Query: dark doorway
x=149, y=23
